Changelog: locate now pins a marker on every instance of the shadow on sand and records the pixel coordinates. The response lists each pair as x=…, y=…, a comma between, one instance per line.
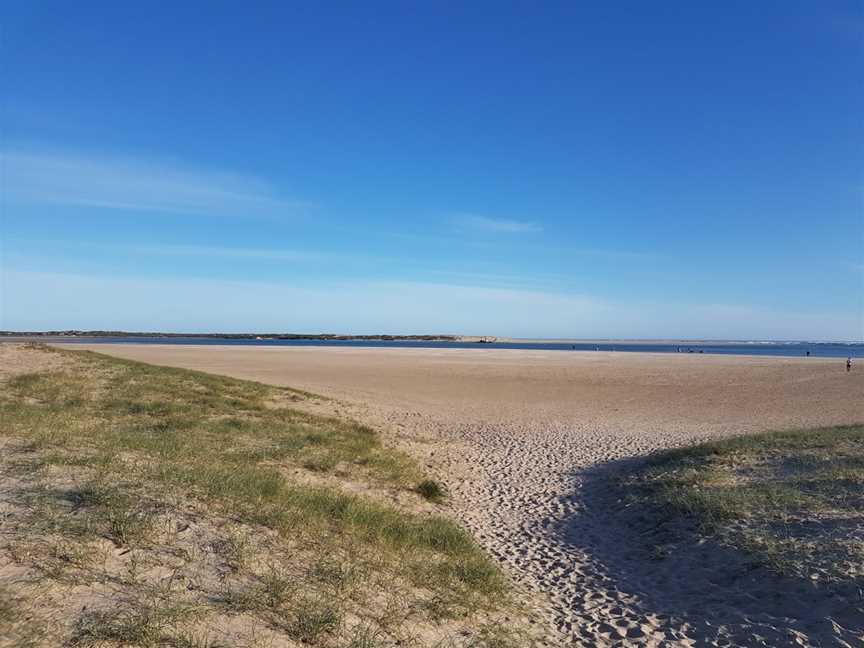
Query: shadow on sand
x=709, y=593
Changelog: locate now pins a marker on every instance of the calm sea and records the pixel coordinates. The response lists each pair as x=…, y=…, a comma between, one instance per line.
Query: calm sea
x=816, y=349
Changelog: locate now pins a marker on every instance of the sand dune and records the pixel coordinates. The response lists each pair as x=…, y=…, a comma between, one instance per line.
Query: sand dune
x=525, y=439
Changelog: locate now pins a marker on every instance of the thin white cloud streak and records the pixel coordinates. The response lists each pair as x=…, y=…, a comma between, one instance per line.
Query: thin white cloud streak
x=354, y=266
x=545, y=247
x=193, y=250
x=123, y=183
x=499, y=225
x=487, y=279
x=34, y=301
x=213, y=251
x=613, y=255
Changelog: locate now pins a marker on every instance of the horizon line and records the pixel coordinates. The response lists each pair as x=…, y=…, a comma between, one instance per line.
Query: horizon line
x=453, y=337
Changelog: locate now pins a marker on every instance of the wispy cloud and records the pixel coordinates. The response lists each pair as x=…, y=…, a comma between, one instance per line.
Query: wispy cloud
x=231, y=252
x=501, y=225
x=613, y=255
x=123, y=183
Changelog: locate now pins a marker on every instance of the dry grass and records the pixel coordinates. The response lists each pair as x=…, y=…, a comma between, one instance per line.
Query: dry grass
x=792, y=500
x=173, y=488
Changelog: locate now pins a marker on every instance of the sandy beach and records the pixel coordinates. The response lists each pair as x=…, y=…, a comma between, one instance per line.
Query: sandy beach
x=524, y=441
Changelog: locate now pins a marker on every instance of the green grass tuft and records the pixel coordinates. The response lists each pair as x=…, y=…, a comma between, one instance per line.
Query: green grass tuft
x=147, y=624
x=431, y=490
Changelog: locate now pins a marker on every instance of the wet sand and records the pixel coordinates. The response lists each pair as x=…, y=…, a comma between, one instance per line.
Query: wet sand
x=524, y=440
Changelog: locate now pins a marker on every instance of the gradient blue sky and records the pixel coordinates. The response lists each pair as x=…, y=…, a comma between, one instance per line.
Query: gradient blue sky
x=532, y=169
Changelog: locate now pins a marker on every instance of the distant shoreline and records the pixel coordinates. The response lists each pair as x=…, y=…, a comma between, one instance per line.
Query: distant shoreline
x=225, y=336
x=671, y=341
x=480, y=339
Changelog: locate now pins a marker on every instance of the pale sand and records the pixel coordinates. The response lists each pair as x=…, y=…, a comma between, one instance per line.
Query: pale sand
x=525, y=441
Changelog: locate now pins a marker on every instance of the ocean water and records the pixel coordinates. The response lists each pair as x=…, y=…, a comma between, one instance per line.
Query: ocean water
x=816, y=349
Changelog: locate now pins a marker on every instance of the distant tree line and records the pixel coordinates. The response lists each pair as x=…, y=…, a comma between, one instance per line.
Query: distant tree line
x=227, y=336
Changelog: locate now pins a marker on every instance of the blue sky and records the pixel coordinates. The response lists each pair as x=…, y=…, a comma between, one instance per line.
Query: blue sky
x=526, y=169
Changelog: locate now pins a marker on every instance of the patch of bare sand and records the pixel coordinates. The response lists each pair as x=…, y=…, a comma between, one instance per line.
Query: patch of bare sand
x=14, y=363
x=526, y=442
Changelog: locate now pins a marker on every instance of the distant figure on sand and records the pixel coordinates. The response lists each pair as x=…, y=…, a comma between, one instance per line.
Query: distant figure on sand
x=848, y=364
x=807, y=354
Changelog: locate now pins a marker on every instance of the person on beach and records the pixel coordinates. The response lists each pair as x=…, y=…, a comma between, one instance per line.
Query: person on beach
x=848, y=364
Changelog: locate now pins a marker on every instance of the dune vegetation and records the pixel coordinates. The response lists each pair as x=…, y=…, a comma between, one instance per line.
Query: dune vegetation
x=792, y=500
x=145, y=505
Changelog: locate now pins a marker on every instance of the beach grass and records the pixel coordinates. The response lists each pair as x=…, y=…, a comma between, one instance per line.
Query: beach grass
x=792, y=500
x=119, y=451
